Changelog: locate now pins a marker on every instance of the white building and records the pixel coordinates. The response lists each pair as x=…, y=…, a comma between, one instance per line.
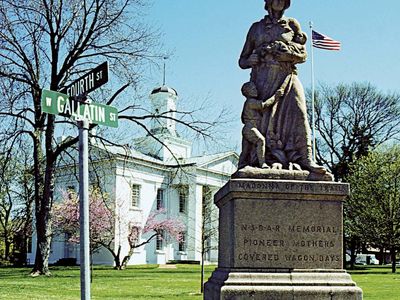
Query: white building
x=147, y=176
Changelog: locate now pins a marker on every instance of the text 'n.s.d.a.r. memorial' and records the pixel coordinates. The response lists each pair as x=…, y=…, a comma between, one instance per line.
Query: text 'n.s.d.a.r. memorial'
x=266, y=245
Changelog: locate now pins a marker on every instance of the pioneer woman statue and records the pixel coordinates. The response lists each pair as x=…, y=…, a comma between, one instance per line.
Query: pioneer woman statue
x=273, y=48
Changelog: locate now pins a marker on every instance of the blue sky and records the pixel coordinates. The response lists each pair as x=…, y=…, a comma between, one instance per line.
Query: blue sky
x=207, y=36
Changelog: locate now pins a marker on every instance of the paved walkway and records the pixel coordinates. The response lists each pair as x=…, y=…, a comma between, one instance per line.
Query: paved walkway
x=167, y=266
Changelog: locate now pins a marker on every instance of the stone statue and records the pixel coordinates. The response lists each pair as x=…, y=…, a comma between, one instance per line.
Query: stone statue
x=273, y=47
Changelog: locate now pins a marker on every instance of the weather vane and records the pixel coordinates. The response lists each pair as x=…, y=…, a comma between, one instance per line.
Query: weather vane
x=165, y=58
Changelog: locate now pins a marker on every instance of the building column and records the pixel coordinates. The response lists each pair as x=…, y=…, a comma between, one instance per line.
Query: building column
x=194, y=222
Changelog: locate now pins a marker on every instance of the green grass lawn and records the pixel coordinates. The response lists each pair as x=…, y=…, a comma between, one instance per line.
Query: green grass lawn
x=378, y=283
x=150, y=282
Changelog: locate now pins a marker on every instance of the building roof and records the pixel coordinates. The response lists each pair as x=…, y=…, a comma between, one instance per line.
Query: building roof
x=164, y=89
x=199, y=161
x=126, y=151
x=207, y=159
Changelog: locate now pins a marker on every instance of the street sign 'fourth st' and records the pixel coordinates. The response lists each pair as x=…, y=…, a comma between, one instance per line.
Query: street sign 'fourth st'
x=88, y=82
x=59, y=104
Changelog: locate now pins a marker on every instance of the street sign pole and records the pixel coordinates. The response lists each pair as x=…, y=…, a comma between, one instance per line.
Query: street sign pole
x=86, y=113
x=84, y=209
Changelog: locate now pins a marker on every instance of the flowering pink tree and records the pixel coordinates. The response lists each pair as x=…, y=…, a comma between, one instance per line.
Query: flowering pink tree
x=65, y=217
x=102, y=224
x=157, y=225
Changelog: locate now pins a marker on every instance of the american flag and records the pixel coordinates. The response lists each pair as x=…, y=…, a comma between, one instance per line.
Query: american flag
x=322, y=41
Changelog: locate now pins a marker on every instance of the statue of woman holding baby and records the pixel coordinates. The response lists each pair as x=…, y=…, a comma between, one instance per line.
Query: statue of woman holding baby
x=273, y=47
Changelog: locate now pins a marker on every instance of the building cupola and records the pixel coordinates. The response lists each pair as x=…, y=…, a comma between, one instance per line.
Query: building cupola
x=164, y=142
x=163, y=100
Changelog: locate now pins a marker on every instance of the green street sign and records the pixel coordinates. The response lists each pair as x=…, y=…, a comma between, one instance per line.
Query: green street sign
x=56, y=103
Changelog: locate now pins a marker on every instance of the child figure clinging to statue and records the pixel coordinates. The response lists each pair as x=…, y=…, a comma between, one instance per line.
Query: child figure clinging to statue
x=251, y=118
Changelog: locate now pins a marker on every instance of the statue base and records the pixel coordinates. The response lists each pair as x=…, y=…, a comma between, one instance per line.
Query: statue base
x=281, y=239
x=258, y=173
x=288, y=285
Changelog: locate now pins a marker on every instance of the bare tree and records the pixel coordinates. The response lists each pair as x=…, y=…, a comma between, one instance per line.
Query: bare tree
x=49, y=44
x=209, y=227
x=6, y=209
x=351, y=120
x=15, y=203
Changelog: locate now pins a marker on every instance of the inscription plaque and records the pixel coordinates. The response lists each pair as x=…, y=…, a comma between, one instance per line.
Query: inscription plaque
x=287, y=234
x=287, y=225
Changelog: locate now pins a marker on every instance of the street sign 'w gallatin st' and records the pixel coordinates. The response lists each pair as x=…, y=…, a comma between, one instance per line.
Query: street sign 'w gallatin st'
x=59, y=104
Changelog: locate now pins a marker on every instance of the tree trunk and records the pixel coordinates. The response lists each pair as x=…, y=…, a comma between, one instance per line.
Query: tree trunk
x=27, y=234
x=132, y=247
x=393, y=256
x=382, y=258
x=126, y=259
x=7, y=246
x=202, y=270
x=91, y=266
x=44, y=235
x=6, y=221
x=43, y=201
x=28, y=226
x=203, y=253
x=353, y=254
x=24, y=251
x=41, y=266
x=117, y=258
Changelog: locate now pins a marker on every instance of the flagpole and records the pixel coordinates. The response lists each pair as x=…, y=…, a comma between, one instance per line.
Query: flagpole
x=312, y=94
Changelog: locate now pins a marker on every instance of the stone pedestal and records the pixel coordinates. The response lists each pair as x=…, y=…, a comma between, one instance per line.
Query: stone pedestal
x=281, y=239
